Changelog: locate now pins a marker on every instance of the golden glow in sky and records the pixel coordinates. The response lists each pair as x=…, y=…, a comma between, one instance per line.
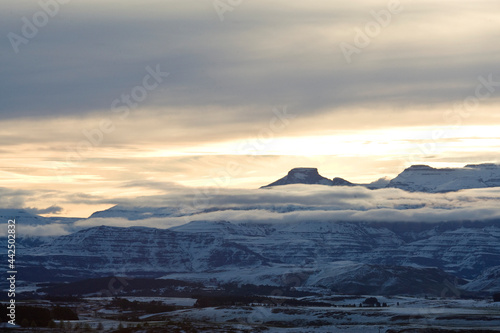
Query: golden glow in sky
x=110, y=102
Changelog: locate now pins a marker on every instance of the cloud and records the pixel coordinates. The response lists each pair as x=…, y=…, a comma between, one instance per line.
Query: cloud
x=163, y=223
x=224, y=80
x=298, y=203
x=255, y=58
x=48, y=210
x=284, y=205
x=46, y=230
x=10, y=198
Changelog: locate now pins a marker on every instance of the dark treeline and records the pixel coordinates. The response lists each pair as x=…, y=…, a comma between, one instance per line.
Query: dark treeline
x=31, y=316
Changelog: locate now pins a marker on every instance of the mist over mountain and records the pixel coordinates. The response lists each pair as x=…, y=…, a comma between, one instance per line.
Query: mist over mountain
x=334, y=233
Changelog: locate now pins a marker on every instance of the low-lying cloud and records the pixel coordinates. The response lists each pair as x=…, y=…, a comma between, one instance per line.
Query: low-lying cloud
x=300, y=203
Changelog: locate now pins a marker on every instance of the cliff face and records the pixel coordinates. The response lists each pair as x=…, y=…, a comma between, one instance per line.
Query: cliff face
x=267, y=251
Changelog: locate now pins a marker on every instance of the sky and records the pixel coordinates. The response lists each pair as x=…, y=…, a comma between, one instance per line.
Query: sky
x=104, y=101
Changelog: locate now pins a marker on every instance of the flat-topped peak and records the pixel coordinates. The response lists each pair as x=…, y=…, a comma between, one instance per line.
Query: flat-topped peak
x=302, y=175
x=306, y=175
x=304, y=171
x=420, y=167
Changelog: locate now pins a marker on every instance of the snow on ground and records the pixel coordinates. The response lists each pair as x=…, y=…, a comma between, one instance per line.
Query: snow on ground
x=260, y=276
x=411, y=312
x=165, y=300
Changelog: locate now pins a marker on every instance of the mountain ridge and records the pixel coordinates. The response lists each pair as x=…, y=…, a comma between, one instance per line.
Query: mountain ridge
x=386, y=252
x=416, y=178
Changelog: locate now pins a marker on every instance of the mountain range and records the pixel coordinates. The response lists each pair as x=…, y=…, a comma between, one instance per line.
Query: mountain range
x=442, y=257
x=383, y=258
x=417, y=178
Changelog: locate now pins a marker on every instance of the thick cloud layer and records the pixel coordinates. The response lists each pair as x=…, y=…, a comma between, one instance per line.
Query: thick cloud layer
x=291, y=204
x=262, y=54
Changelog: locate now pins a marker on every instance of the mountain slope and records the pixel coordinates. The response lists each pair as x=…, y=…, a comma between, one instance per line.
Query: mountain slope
x=138, y=250
x=488, y=281
x=423, y=178
x=22, y=217
x=204, y=249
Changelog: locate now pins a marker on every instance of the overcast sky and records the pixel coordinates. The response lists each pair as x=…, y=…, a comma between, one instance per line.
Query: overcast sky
x=116, y=99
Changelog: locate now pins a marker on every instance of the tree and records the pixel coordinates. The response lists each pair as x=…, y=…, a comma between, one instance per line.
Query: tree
x=371, y=301
x=25, y=322
x=63, y=313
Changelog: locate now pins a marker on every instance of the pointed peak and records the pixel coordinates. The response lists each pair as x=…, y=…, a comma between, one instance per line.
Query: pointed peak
x=337, y=181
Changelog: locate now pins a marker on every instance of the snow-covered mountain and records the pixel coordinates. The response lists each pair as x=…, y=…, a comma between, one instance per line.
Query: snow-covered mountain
x=345, y=277
x=351, y=239
x=138, y=251
x=384, y=257
x=302, y=176
x=137, y=213
x=417, y=178
x=488, y=281
x=24, y=216
x=337, y=181
x=423, y=178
